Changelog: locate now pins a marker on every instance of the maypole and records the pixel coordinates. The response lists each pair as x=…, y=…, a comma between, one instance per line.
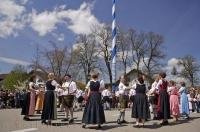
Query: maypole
x=114, y=33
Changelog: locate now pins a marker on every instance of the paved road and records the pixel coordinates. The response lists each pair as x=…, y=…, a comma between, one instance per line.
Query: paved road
x=12, y=121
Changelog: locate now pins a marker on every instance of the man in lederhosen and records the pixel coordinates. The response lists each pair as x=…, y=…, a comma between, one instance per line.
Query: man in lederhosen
x=69, y=88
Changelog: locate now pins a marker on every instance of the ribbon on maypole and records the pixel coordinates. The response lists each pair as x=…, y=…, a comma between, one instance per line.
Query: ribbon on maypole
x=114, y=50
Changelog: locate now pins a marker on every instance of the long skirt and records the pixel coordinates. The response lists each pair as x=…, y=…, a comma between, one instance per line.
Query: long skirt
x=40, y=101
x=25, y=104
x=94, y=112
x=140, y=108
x=49, y=111
x=174, y=105
x=163, y=107
x=32, y=103
x=184, y=108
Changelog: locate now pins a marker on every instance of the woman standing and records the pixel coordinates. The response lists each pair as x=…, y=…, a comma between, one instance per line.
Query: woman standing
x=163, y=106
x=184, y=101
x=174, y=100
x=140, y=109
x=28, y=107
x=40, y=98
x=49, y=111
x=93, y=113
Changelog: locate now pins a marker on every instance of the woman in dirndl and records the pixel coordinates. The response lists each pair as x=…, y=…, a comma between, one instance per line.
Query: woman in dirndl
x=174, y=100
x=140, y=109
x=49, y=111
x=28, y=107
x=163, y=107
x=93, y=112
x=40, y=98
x=184, y=108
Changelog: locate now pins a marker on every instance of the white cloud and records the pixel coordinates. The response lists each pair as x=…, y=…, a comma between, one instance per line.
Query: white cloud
x=11, y=18
x=44, y=22
x=24, y=1
x=77, y=20
x=14, y=61
x=173, y=62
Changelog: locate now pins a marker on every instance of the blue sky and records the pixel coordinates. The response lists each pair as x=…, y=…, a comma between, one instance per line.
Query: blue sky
x=24, y=24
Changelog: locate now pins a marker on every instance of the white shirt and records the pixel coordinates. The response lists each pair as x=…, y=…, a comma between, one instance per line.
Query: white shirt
x=106, y=92
x=117, y=93
x=69, y=87
x=123, y=89
x=153, y=87
x=79, y=93
x=131, y=92
x=159, y=83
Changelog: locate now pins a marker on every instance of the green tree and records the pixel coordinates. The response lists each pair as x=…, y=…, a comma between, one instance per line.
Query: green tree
x=17, y=76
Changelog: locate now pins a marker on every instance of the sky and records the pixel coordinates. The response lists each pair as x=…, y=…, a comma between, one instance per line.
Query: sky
x=27, y=23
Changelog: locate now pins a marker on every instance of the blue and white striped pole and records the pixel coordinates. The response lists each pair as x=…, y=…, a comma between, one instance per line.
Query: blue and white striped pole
x=114, y=33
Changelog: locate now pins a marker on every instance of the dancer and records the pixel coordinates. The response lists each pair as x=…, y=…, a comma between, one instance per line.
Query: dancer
x=163, y=107
x=140, y=108
x=174, y=100
x=93, y=113
x=184, y=109
x=106, y=94
x=153, y=98
x=49, y=111
x=69, y=87
x=28, y=107
x=123, y=100
x=40, y=98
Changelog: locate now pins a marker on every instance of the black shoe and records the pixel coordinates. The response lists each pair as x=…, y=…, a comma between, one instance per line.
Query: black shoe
x=124, y=121
x=66, y=119
x=83, y=126
x=71, y=121
x=99, y=127
x=38, y=112
x=44, y=122
x=26, y=119
x=164, y=123
x=118, y=121
x=49, y=123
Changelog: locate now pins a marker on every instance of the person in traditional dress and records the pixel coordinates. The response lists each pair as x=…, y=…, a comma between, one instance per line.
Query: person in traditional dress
x=131, y=96
x=153, y=98
x=163, y=107
x=49, y=111
x=93, y=112
x=140, y=109
x=106, y=94
x=184, y=107
x=28, y=107
x=80, y=98
x=40, y=98
x=69, y=87
x=123, y=99
x=174, y=100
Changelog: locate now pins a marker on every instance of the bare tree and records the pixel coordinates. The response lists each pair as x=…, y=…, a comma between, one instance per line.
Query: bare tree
x=86, y=52
x=103, y=36
x=153, y=53
x=190, y=69
x=124, y=45
x=57, y=60
x=137, y=48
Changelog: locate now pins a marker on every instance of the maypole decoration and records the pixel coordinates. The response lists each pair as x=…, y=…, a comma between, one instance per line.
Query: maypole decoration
x=113, y=54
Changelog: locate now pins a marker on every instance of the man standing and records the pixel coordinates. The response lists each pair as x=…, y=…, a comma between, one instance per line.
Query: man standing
x=69, y=88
